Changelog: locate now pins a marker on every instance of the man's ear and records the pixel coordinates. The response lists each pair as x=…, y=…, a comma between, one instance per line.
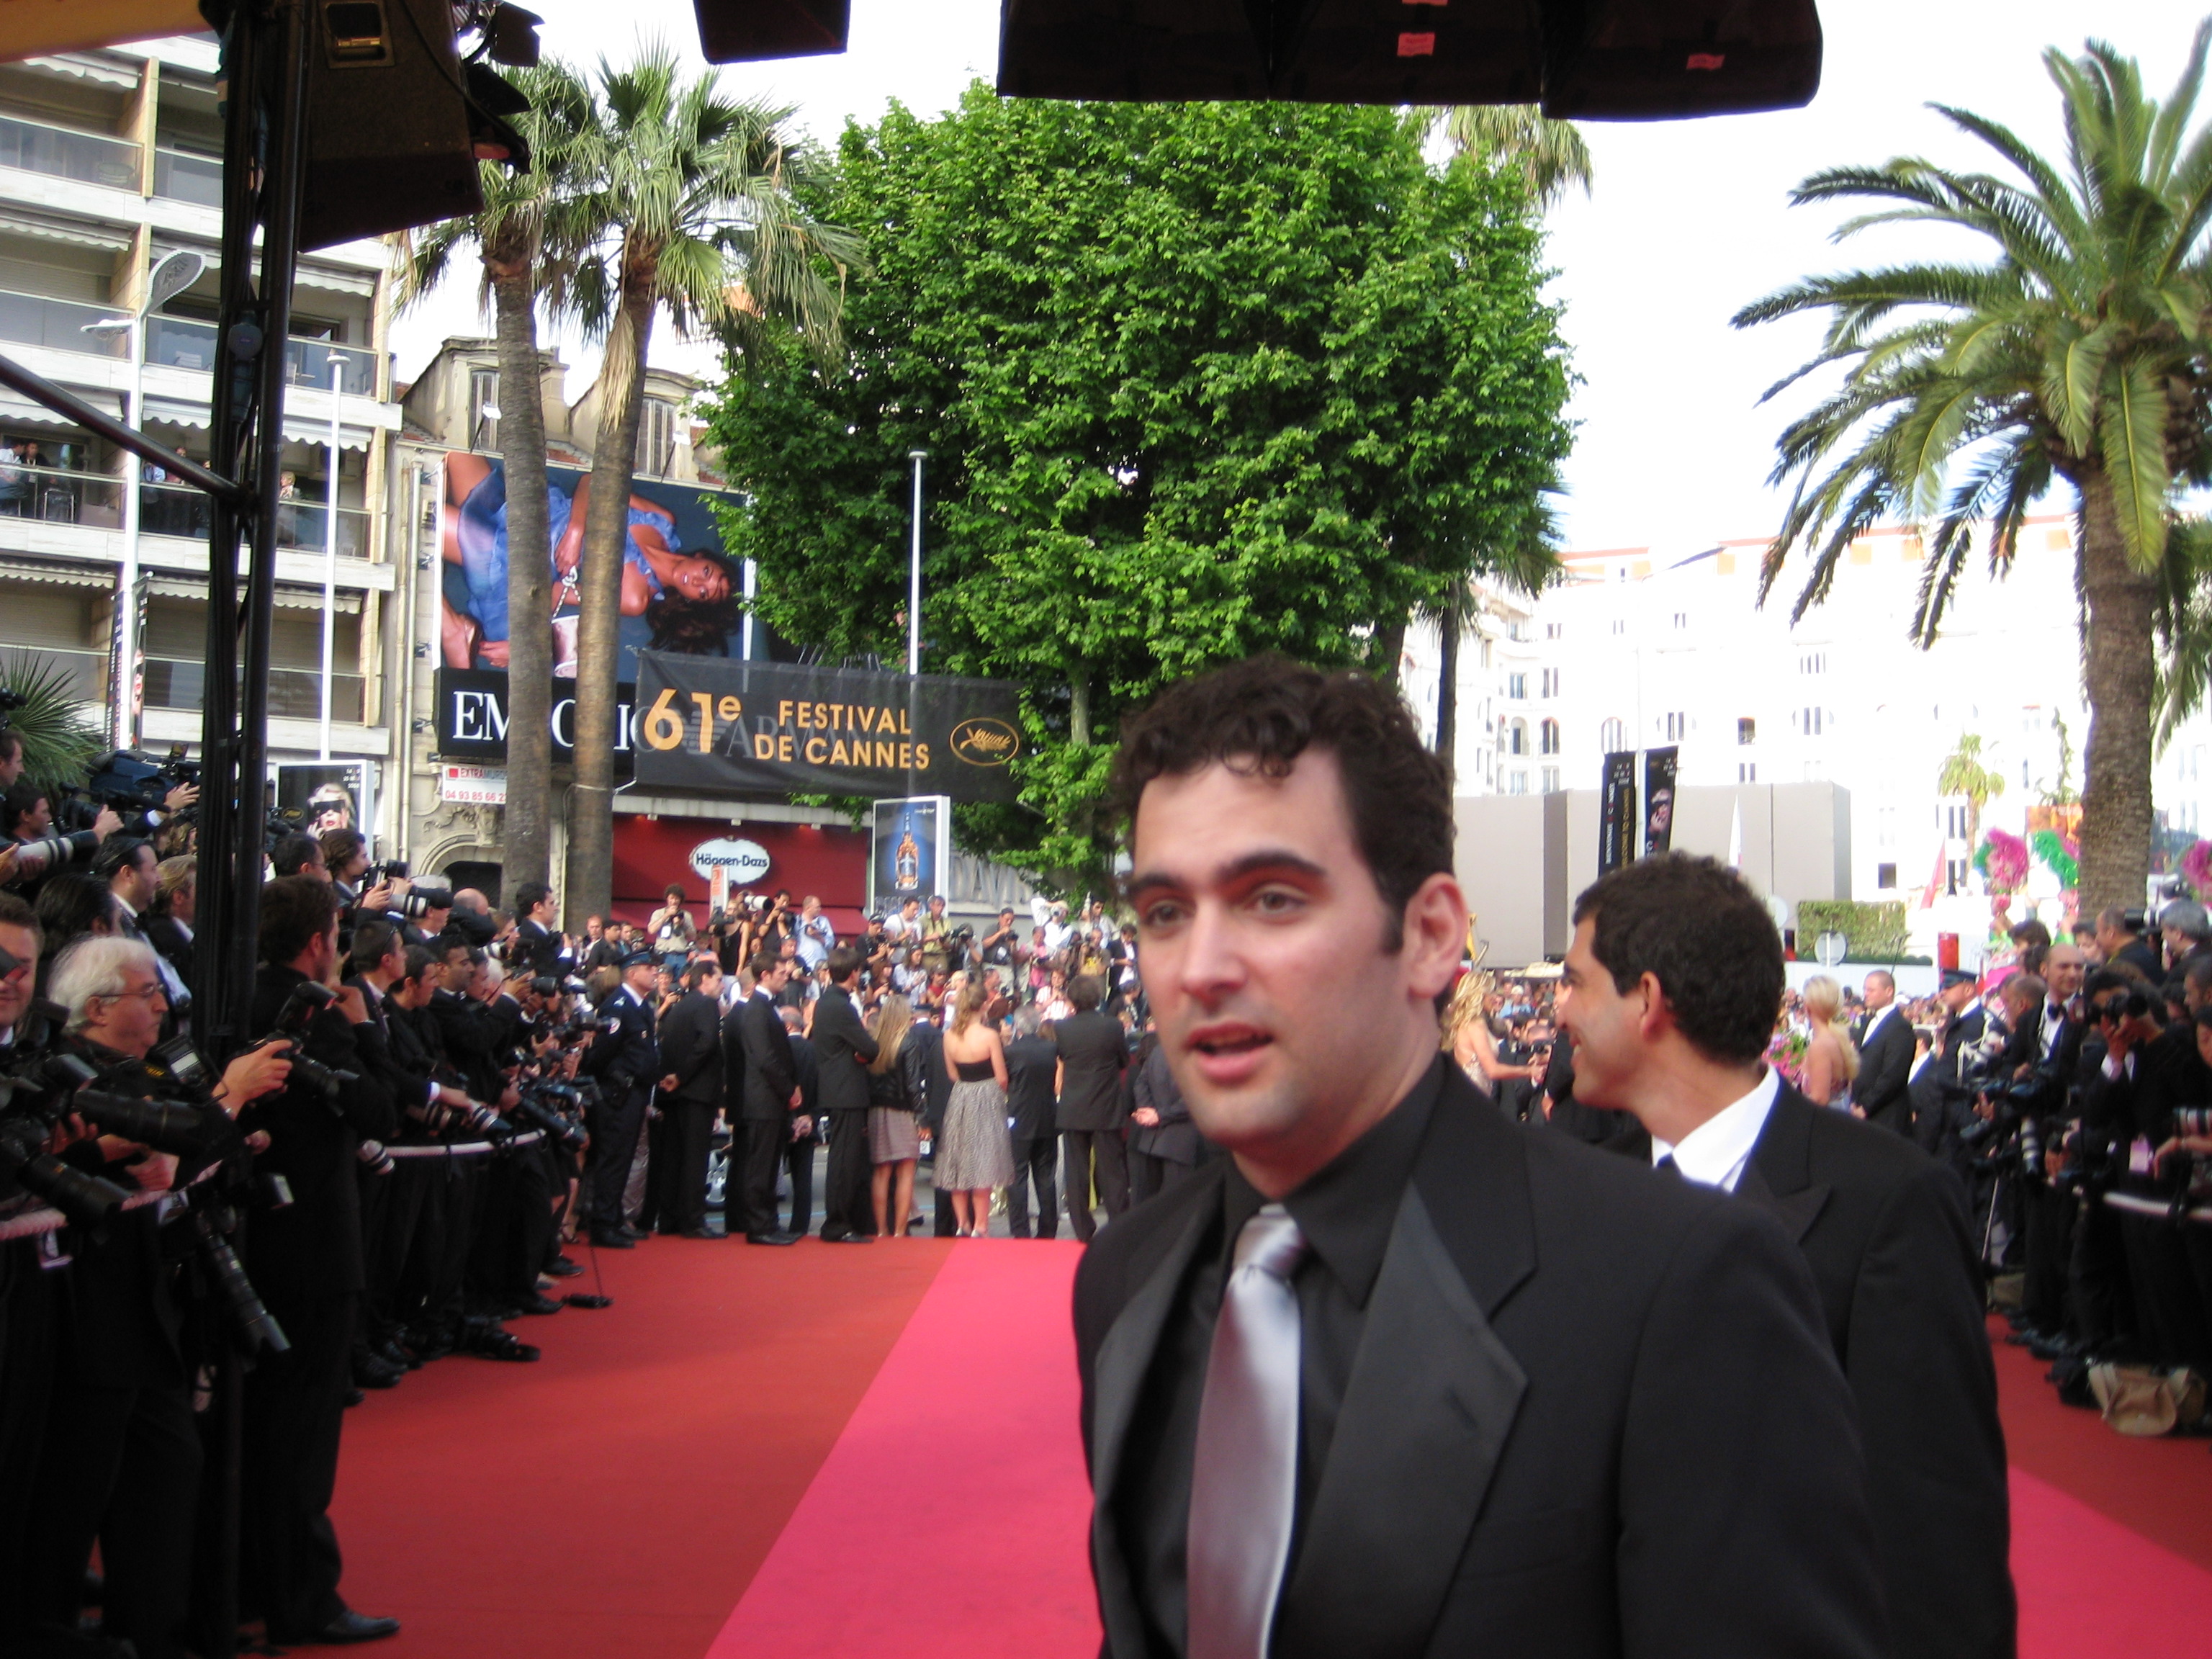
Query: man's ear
x=1658, y=1018
x=1434, y=935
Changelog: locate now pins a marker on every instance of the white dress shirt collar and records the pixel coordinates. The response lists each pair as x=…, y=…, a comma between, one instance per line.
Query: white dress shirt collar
x=1715, y=1152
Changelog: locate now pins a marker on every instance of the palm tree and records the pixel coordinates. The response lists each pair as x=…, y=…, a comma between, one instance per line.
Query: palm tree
x=1549, y=156
x=2075, y=350
x=1963, y=775
x=528, y=228
x=694, y=201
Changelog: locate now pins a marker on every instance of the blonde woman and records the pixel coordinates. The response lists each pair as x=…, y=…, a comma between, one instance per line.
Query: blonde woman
x=1831, y=1061
x=974, y=1154
x=894, y=1144
x=1468, y=1037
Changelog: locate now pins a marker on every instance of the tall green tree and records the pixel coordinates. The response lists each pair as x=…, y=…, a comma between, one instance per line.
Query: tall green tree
x=1196, y=380
x=695, y=197
x=527, y=230
x=2073, y=350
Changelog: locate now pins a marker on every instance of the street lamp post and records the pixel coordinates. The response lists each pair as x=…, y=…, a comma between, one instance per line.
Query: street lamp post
x=176, y=272
x=913, y=571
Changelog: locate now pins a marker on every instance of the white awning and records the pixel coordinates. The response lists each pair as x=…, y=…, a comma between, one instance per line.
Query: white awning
x=171, y=411
x=85, y=67
x=53, y=228
x=60, y=575
x=288, y=599
x=303, y=429
x=15, y=408
x=335, y=282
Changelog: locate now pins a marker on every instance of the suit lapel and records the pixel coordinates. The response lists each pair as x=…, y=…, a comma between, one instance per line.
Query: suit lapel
x=1432, y=1396
x=1779, y=1176
x=1117, y=1378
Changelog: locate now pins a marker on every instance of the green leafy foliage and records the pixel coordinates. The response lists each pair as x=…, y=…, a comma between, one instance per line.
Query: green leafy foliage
x=1195, y=380
x=1875, y=932
x=60, y=742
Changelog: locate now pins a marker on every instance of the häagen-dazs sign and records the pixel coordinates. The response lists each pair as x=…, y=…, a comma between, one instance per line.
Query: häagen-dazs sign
x=745, y=861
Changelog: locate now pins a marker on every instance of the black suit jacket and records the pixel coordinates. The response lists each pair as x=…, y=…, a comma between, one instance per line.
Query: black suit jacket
x=1096, y=1051
x=844, y=1047
x=1030, y=1064
x=1175, y=1137
x=771, y=1072
x=691, y=1049
x=1884, y=1229
x=1885, y=1067
x=165, y=935
x=1592, y=1415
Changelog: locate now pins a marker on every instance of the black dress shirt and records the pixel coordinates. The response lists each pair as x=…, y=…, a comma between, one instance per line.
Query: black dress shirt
x=1345, y=1213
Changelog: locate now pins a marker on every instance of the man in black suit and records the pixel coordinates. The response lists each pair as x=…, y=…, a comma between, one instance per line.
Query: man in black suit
x=624, y=1057
x=799, y=1151
x=769, y=1100
x=1032, y=1063
x=537, y=943
x=1670, y=988
x=1397, y=1378
x=1094, y=1052
x=2120, y=937
x=1163, y=1143
x=1885, y=1045
x=844, y=1049
x=1941, y=1115
x=691, y=1093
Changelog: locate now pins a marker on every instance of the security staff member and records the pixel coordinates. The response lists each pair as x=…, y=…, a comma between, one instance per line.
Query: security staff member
x=306, y=1260
x=625, y=1058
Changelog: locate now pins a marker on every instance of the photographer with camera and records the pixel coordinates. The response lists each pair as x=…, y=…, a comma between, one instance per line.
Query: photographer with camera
x=2167, y=1094
x=121, y=1459
x=307, y=1260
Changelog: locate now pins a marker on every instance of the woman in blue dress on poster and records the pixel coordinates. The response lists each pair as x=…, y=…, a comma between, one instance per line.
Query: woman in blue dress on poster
x=689, y=600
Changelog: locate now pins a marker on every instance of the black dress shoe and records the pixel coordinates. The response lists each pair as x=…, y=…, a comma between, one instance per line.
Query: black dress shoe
x=849, y=1238
x=564, y=1268
x=348, y=1627
x=371, y=1372
x=355, y=1397
x=771, y=1238
x=699, y=1232
x=613, y=1241
x=535, y=1304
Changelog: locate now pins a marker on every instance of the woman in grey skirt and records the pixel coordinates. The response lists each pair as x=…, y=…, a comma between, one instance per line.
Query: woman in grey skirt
x=973, y=1154
x=893, y=1144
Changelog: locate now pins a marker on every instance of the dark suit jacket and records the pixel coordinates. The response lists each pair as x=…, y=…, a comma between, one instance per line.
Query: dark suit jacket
x=163, y=933
x=1031, y=1062
x=1885, y=1067
x=691, y=1049
x=771, y=1073
x=1592, y=1415
x=844, y=1047
x=1176, y=1137
x=1884, y=1229
x=1096, y=1051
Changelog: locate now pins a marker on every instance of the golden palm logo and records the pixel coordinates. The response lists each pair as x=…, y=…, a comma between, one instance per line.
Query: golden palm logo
x=984, y=741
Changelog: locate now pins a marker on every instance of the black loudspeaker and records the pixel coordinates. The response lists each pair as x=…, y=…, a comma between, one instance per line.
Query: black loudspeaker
x=745, y=31
x=1646, y=60
x=388, y=122
x=1623, y=58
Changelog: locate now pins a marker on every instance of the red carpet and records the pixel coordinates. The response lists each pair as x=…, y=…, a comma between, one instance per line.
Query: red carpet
x=960, y=1475
x=829, y=1452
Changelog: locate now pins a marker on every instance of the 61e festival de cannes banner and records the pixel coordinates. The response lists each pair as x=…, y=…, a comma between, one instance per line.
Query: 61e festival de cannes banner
x=709, y=724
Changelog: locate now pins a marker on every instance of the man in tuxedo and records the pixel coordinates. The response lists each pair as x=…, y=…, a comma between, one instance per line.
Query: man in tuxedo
x=844, y=1049
x=1885, y=1045
x=1094, y=1052
x=799, y=1149
x=1163, y=1143
x=690, y=1094
x=537, y=942
x=1032, y=1063
x=624, y=1057
x=769, y=1100
x=1395, y=1376
x=1670, y=987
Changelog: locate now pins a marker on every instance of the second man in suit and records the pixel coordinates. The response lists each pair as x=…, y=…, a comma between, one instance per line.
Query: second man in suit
x=844, y=1048
x=769, y=1100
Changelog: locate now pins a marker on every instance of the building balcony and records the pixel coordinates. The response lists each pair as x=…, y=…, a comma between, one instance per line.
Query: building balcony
x=57, y=324
x=180, y=342
x=179, y=176
x=301, y=526
x=86, y=158
x=294, y=693
x=56, y=496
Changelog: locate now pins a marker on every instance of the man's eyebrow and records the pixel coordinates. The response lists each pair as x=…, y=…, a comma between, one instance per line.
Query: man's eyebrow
x=1280, y=859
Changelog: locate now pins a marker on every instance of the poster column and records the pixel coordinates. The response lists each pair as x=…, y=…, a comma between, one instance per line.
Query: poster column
x=909, y=850
x=1617, y=824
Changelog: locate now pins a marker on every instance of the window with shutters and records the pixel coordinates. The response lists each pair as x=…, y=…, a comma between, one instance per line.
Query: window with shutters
x=656, y=438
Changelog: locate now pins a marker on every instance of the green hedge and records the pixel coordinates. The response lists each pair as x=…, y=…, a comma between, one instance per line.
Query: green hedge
x=1875, y=932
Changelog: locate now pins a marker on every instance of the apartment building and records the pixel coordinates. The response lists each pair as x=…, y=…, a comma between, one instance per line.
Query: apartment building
x=1638, y=649
x=110, y=163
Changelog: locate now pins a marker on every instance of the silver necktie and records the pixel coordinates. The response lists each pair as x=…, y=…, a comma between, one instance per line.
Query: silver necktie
x=1243, y=1485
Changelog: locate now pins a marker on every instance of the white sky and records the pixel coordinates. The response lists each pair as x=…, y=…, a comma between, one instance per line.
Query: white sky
x=1688, y=220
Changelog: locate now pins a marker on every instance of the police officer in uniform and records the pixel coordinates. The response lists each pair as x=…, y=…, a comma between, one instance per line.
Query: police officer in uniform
x=625, y=1058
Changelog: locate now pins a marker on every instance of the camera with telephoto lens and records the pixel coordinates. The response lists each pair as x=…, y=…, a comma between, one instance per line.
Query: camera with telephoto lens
x=306, y=1000
x=541, y=1104
x=418, y=901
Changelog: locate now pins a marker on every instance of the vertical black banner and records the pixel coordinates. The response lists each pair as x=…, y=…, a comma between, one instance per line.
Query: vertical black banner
x=1658, y=799
x=1617, y=826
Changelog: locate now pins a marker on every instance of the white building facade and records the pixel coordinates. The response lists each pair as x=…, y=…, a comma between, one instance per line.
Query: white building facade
x=1637, y=649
